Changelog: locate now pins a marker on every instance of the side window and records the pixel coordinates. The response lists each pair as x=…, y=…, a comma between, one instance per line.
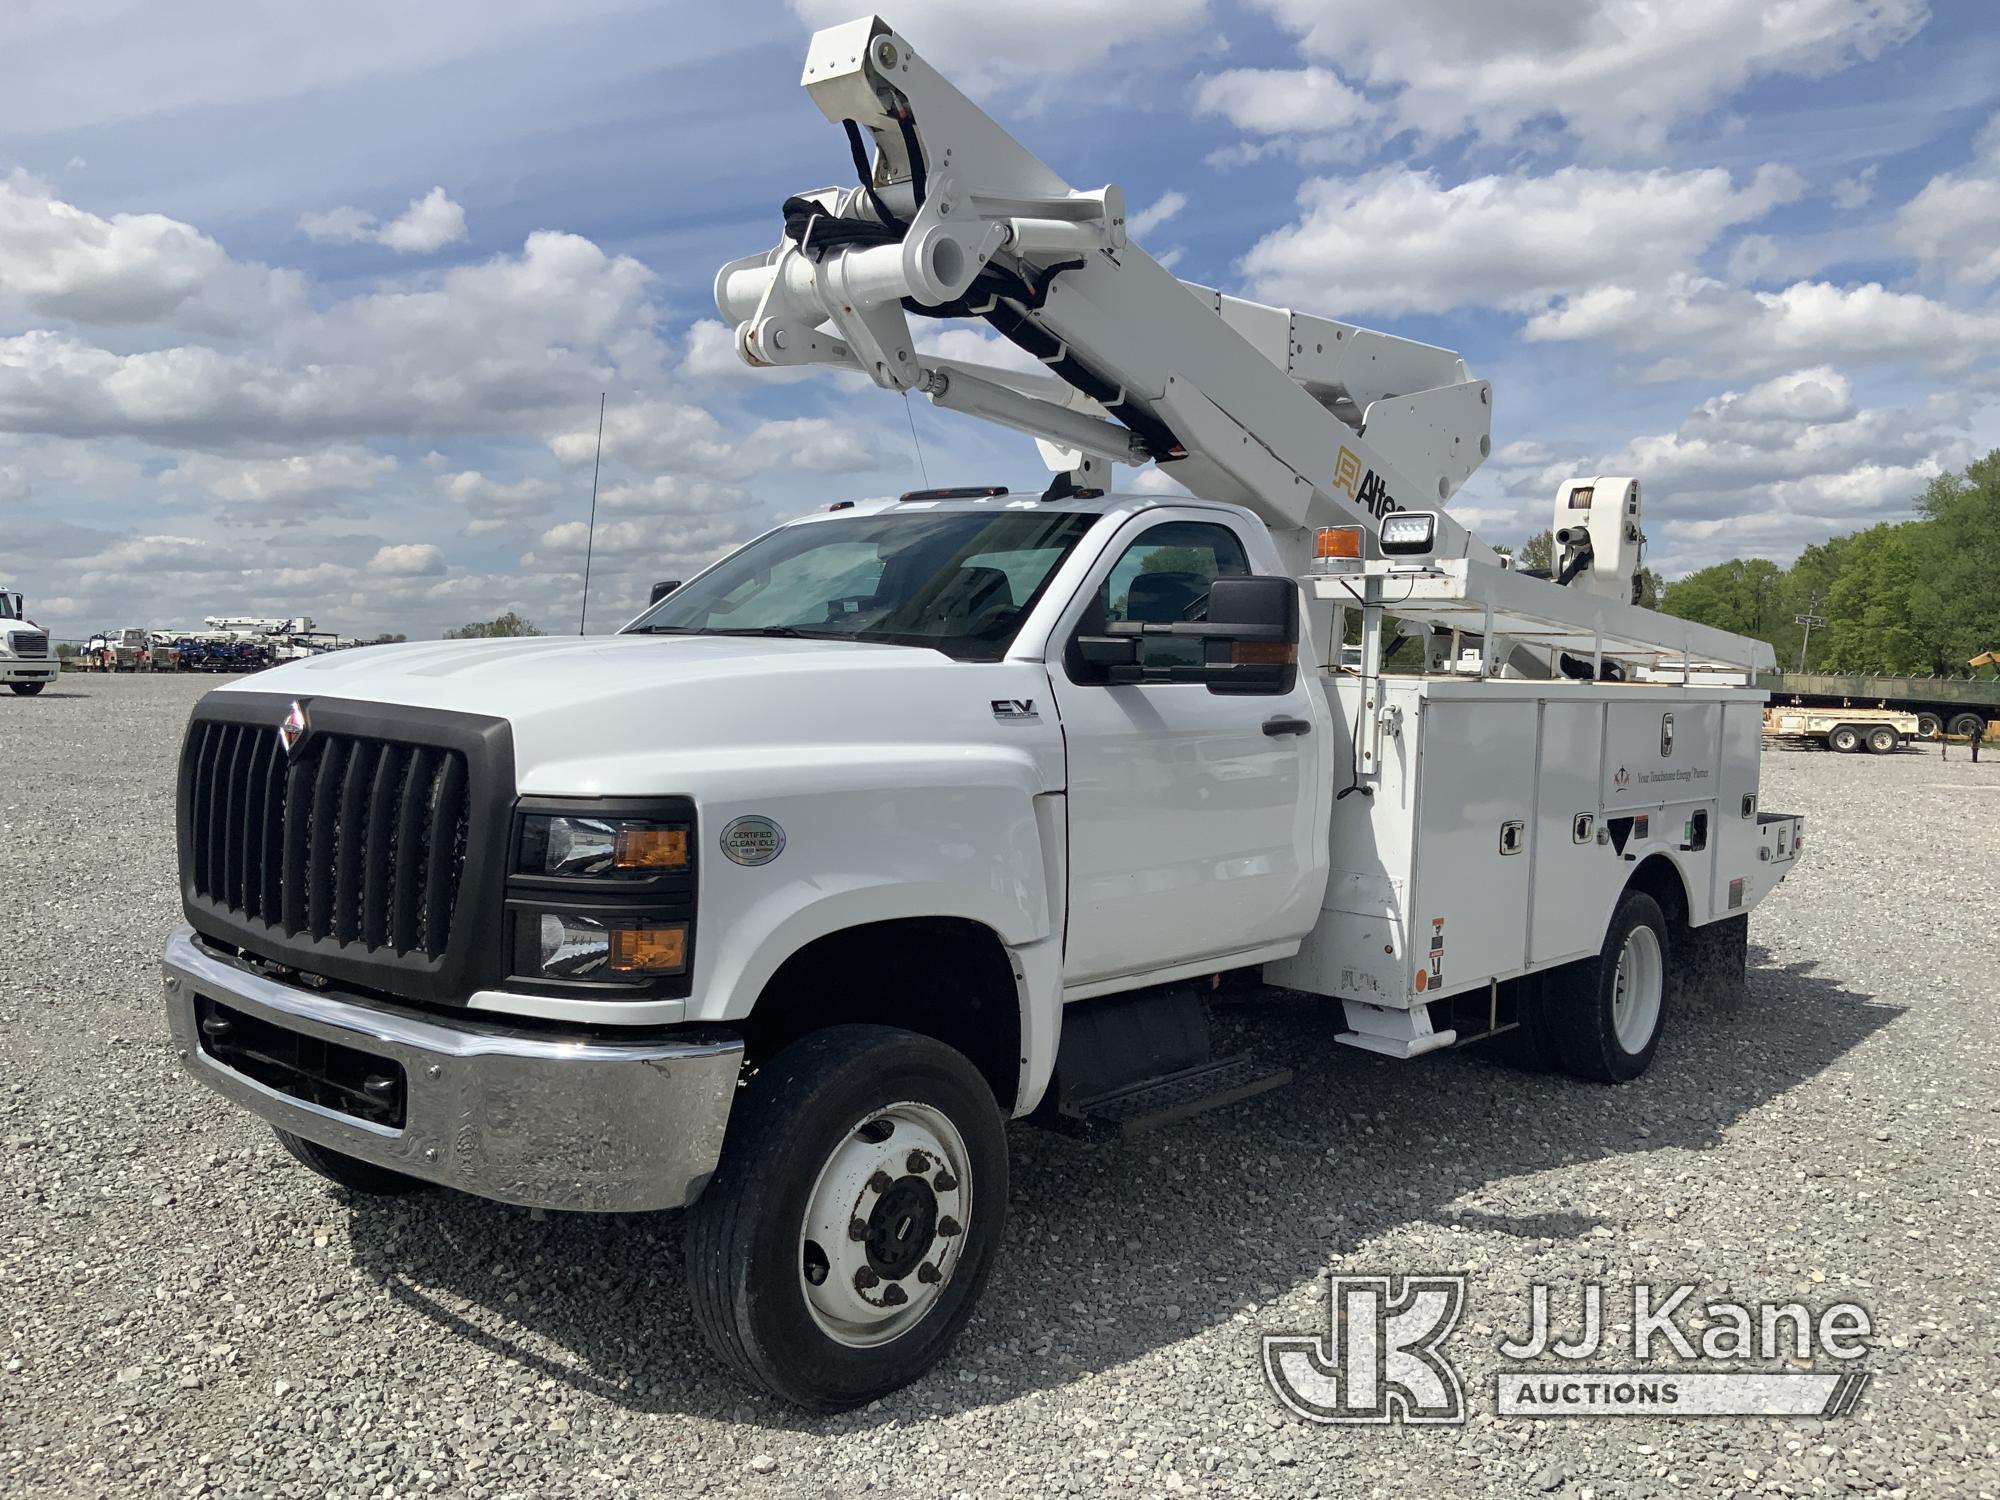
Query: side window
x=1162, y=577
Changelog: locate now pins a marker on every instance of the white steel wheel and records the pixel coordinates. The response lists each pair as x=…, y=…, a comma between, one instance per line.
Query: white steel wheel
x=1637, y=986
x=1605, y=1014
x=839, y=1247
x=884, y=1225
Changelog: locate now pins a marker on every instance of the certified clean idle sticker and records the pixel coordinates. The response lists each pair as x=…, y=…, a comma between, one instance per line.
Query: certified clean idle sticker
x=753, y=840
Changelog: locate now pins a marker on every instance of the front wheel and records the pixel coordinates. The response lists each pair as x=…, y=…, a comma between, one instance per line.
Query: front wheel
x=350, y=1172
x=1846, y=739
x=27, y=689
x=853, y=1218
x=1606, y=1013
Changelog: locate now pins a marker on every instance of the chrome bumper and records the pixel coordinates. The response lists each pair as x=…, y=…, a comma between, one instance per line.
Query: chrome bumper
x=500, y=1112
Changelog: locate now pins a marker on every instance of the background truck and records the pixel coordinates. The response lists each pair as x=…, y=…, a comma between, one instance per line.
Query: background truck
x=913, y=815
x=28, y=660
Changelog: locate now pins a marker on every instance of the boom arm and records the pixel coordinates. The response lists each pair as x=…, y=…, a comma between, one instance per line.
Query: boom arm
x=1242, y=400
x=1305, y=421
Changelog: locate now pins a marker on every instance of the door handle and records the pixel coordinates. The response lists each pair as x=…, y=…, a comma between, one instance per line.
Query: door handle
x=1278, y=726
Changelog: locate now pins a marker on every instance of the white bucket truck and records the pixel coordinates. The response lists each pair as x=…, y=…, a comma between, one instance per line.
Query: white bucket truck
x=28, y=661
x=911, y=816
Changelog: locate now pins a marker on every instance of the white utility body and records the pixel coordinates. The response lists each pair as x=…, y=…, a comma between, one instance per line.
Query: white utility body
x=912, y=814
x=28, y=661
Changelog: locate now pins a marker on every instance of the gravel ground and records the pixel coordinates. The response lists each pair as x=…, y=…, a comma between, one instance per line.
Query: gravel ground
x=188, y=1312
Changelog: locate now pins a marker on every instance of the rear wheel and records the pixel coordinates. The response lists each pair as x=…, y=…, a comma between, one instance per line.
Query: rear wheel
x=1967, y=725
x=1929, y=726
x=27, y=689
x=1606, y=1013
x=1882, y=740
x=1845, y=738
x=854, y=1217
x=350, y=1172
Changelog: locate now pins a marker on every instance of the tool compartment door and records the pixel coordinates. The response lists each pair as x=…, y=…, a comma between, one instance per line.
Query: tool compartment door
x=1475, y=816
x=1571, y=869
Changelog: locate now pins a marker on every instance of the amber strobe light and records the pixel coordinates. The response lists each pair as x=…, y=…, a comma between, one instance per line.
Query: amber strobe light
x=648, y=950
x=644, y=848
x=1339, y=542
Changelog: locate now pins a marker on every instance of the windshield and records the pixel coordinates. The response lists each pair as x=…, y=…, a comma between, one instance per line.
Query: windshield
x=959, y=582
x=6, y=606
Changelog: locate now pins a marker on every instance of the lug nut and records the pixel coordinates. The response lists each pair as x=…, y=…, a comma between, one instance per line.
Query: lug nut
x=866, y=1279
x=918, y=1163
x=881, y=1182
x=929, y=1274
x=857, y=1229
x=948, y=1226
x=895, y=1296
x=944, y=1182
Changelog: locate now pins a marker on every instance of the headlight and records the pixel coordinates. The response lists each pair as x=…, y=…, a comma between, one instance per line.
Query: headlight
x=571, y=946
x=610, y=848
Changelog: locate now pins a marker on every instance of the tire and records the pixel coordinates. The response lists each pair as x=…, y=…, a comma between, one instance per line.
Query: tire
x=806, y=1148
x=1845, y=738
x=1929, y=726
x=1882, y=740
x=1607, y=1013
x=27, y=689
x=1965, y=726
x=355, y=1175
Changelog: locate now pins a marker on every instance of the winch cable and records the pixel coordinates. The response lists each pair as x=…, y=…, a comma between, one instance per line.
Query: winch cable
x=1002, y=298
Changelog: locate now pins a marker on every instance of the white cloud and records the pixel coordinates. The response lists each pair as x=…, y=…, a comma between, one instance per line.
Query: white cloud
x=1850, y=193
x=429, y=223
x=979, y=45
x=1692, y=326
x=281, y=483
x=1398, y=240
x=818, y=444
x=1282, y=101
x=1775, y=466
x=1953, y=225
x=61, y=261
x=1621, y=74
x=407, y=560
x=1165, y=207
x=510, y=342
x=493, y=505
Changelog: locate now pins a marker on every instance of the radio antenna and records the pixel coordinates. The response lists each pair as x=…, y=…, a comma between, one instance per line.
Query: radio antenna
x=590, y=537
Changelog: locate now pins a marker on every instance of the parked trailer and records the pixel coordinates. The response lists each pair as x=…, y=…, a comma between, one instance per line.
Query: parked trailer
x=1955, y=706
x=1880, y=731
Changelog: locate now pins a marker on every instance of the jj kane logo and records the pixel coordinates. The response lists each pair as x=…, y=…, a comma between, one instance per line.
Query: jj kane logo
x=1369, y=491
x=1381, y=1359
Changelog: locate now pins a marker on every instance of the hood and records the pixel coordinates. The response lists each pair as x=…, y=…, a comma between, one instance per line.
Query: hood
x=638, y=715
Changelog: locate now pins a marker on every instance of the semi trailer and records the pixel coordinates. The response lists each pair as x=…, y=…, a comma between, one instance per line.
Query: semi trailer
x=913, y=816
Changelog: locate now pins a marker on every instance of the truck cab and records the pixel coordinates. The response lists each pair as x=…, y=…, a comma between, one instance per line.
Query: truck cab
x=28, y=661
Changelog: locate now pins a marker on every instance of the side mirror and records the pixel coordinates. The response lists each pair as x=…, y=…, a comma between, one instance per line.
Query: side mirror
x=661, y=590
x=1248, y=644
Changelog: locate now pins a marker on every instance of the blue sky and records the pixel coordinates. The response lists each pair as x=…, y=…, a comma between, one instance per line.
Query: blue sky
x=307, y=310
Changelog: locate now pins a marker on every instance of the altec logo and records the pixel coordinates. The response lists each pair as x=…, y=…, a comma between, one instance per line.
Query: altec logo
x=1370, y=492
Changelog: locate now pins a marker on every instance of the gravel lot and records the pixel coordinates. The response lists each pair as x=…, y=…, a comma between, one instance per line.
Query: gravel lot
x=186, y=1311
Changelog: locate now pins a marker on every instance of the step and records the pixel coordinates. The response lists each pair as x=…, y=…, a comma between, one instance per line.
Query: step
x=1180, y=1096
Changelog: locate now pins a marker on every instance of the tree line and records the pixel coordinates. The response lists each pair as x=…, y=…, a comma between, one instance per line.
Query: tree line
x=1916, y=598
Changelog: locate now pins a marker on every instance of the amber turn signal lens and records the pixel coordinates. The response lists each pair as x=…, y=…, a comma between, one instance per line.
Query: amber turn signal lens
x=648, y=950
x=1339, y=541
x=1263, y=653
x=651, y=849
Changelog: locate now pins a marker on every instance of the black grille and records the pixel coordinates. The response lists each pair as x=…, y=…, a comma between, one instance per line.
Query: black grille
x=373, y=854
x=31, y=643
x=345, y=840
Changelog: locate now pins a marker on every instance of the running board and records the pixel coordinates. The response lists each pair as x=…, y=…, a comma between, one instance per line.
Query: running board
x=1141, y=1060
x=1179, y=1096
